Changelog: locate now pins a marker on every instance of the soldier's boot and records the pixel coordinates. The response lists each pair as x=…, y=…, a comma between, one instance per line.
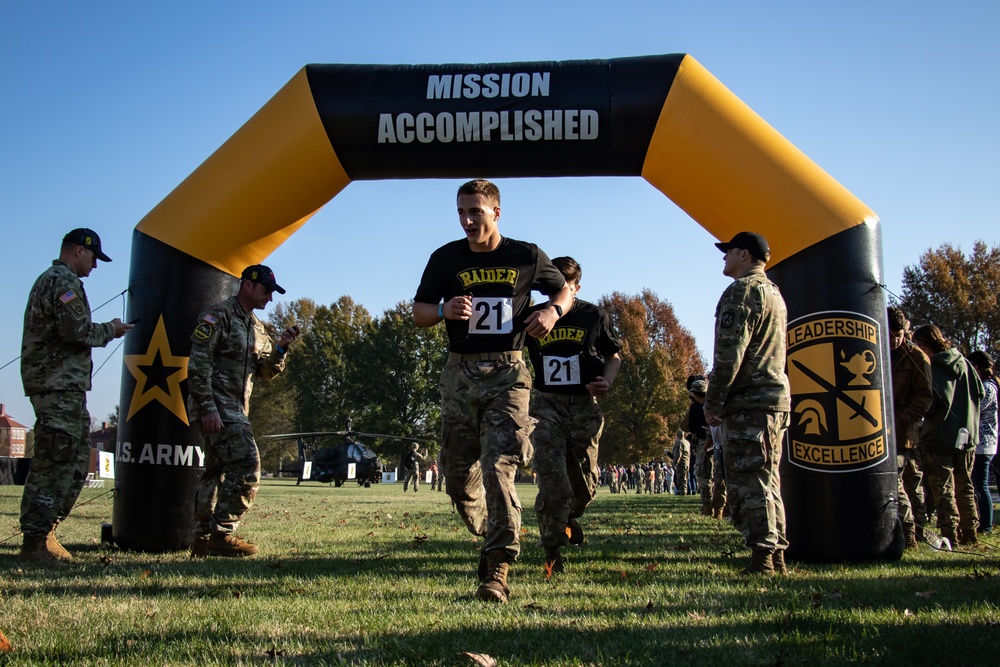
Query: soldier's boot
x=778, y=562
x=553, y=560
x=574, y=532
x=35, y=549
x=717, y=513
x=967, y=538
x=494, y=585
x=52, y=544
x=199, y=547
x=230, y=546
x=911, y=536
x=760, y=563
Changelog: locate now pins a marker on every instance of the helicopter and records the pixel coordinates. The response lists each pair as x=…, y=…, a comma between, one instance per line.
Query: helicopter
x=349, y=460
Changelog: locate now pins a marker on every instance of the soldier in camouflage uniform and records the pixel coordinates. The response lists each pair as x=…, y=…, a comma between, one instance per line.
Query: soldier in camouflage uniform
x=748, y=395
x=480, y=287
x=230, y=348
x=575, y=365
x=702, y=447
x=682, y=459
x=55, y=371
x=411, y=467
x=719, y=508
x=911, y=398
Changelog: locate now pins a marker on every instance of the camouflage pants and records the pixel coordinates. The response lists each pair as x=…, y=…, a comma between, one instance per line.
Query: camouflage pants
x=913, y=484
x=566, y=439
x=705, y=474
x=948, y=476
x=965, y=493
x=752, y=455
x=485, y=431
x=904, y=510
x=718, y=479
x=230, y=481
x=681, y=477
x=414, y=474
x=62, y=457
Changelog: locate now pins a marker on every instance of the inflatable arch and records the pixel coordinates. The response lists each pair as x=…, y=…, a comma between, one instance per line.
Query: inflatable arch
x=665, y=118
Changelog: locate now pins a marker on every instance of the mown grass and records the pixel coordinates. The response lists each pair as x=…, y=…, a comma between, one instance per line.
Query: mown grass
x=355, y=576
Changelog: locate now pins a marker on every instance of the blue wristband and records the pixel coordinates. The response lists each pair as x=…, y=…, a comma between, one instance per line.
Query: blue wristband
x=441, y=310
x=280, y=349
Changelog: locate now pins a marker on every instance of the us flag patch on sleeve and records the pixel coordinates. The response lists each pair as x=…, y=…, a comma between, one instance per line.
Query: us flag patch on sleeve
x=68, y=296
x=208, y=318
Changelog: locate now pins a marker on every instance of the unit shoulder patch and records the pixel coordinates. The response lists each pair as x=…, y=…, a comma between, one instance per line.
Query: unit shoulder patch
x=204, y=331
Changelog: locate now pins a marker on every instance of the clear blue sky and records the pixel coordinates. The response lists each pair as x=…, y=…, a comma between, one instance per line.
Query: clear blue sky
x=105, y=107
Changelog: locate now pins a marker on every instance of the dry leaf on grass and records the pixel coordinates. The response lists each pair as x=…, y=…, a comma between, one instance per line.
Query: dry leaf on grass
x=652, y=566
x=4, y=643
x=480, y=659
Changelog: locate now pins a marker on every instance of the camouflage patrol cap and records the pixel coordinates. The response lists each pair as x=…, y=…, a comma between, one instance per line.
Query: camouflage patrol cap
x=752, y=242
x=258, y=273
x=699, y=387
x=89, y=239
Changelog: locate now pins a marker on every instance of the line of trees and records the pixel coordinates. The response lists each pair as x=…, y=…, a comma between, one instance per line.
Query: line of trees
x=958, y=293
x=382, y=374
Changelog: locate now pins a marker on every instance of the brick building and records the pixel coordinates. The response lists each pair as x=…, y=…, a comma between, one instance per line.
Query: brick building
x=13, y=435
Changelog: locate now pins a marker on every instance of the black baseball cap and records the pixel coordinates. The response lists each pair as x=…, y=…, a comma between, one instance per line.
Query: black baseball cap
x=258, y=273
x=752, y=242
x=89, y=239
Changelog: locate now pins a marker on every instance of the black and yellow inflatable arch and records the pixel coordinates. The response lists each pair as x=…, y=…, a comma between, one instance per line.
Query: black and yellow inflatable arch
x=664, y=118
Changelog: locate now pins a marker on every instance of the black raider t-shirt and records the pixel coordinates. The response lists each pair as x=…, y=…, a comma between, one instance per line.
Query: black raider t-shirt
x=500, y=284
x=573, y=354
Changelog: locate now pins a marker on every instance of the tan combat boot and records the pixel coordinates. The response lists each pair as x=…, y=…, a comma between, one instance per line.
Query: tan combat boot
x=717, y=513
x=52, y=544
x=494, y=585
x=230, y=546
x=35, y=549
x=760, y=563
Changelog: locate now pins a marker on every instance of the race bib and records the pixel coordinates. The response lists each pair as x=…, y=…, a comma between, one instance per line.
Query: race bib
x=561, y=370
x=492, y=315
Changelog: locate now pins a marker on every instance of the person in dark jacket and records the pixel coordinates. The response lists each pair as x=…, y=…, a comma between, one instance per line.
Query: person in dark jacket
x=949, y=435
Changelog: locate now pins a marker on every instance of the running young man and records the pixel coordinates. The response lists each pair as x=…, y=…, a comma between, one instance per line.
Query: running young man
x=480, y=287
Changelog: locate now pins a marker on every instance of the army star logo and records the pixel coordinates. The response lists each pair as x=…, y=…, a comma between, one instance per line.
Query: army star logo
x=158, y=375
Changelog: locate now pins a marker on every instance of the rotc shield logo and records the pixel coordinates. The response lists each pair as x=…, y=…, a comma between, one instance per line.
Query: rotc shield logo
x=837, y=372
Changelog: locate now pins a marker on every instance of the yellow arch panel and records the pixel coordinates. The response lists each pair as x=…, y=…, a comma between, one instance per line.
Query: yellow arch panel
x=731, y=171
x=257, y=189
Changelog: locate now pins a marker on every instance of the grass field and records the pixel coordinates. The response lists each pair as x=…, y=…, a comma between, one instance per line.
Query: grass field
x=355, y=576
